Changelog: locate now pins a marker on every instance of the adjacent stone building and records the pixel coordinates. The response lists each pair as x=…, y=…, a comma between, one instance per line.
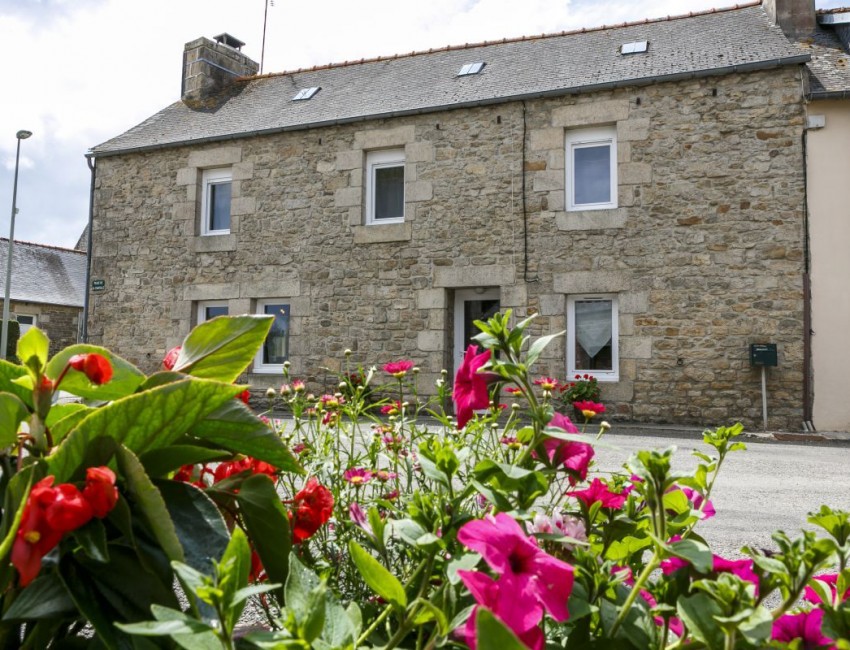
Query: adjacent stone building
x=641, y=187
x=48, y=289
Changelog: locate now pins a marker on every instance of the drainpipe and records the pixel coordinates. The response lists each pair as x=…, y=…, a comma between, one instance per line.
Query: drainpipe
x=91, y=161
x=807, y=297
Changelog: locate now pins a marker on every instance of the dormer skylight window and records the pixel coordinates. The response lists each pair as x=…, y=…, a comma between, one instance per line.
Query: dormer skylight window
x=305, y=93
x=634, y=48
x=471, y=68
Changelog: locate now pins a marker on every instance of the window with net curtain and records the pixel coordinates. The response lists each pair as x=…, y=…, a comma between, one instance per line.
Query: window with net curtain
x=385, y=186
x=275, y=349
x=592, y=336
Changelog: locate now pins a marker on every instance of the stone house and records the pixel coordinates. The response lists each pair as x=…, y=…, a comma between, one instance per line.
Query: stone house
x=640, y=186
x=47, y=291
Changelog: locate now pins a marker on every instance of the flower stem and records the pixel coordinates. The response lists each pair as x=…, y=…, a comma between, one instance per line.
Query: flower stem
x=630, y=599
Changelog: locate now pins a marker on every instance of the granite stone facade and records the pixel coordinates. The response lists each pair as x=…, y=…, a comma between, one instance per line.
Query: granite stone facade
x=704, y=251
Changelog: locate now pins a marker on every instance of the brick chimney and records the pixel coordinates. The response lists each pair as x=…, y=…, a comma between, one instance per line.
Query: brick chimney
x=211, y=66
x=795, y=17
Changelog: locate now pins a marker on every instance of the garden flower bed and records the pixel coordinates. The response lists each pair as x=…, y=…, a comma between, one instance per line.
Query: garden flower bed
x=370, y=518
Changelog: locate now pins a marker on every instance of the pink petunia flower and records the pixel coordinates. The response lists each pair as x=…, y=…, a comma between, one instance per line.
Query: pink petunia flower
x=501, y=597
x=805, y=626
x=830, y=579
x=574, y=456
x=358, y=475
x=398, y=369
x=504, y=545
x=697, y=499
x=598, y=491
x=470, y=391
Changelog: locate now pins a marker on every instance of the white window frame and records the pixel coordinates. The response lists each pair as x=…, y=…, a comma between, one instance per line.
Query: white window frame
x=28, y=325
x=381, y=160
x=272, y=368
x=601, y=375
x=209, y=178
x=584, y=138
x=204, y=304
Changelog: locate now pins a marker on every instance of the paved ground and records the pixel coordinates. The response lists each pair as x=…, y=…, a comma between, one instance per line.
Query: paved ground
x=772, y=485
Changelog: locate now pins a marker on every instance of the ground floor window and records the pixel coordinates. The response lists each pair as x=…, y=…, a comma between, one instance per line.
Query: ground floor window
x=26, y=321
x=275, y=349
x=592, y=336
x=209, y=309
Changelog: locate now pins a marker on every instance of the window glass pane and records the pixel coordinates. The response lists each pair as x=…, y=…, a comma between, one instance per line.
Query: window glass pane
x=25, y=320
x=592, y=174
x=389, y=192
x=276, y=346
x=593, y=334
x=219, y=206
x=214, y=310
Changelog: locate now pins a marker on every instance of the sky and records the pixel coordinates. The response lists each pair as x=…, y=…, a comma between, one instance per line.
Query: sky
x=79, y=72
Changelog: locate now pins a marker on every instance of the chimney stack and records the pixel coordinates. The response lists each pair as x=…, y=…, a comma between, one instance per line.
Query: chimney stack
x=211, y=66
x=795, y=17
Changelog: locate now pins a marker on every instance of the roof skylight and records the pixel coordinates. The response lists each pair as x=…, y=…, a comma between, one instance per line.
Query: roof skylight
x=634, y=48
x=305, y=93
x=471, y=68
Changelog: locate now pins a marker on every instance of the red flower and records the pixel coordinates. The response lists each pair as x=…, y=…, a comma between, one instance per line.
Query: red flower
x=589, y=409
x=245, y=396
x=95, y=366
x=470, y=391
x=391, y=409
x=247, y=464
x=100, y=490
x=598, y=491
x=398, y=369
x=313, y=506
x=170, y=359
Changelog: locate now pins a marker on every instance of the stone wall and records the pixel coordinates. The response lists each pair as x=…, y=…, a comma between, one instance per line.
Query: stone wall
x=704, y=251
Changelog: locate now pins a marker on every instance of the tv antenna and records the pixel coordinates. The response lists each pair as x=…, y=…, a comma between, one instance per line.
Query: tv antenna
x=265, y=22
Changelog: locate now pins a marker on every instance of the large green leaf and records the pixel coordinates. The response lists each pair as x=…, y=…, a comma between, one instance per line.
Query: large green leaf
x=44, y=598
x=299, y=584
x=382, y=582
x=197, y=522
x=150, y=504
x=141, y=422
x=697, y=613
x=66, y=419
x=33, y=348
x=268, y=525
x=159, y=462
x=234, y=426
x=12, y=412
x=695, y=552
x=125, y=376
x=223, y=347
x=234, y=570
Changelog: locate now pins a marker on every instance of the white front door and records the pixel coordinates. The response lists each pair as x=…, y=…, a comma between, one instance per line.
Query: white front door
x=471, y=305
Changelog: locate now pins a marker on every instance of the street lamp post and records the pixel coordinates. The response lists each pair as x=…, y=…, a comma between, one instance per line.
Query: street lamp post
x=4, y=338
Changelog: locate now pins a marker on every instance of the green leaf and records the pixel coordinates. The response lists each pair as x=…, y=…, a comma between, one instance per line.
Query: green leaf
x=197, y=522
x=538, y=346
x=33, y=349
x=492, y=633
x=382, y=582
x=698, y=612
x=299, y=584
x=160, y=462
x=695, y=552
x=44, y=598
x=757, y=627
x=92, y=539
x=62, y=418
x=125, y=376
x=267, y=522
x=234, y=568
x=169, y=622
x=12, y=412
x=9, y=372
x=222, y=348
x=141, y=422
x=235, y=427
x=637, y=626
x=150, y=503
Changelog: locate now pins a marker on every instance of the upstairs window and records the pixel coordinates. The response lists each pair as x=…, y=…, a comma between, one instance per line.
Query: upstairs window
x=592, y=337
x=592, y=169
x=215, y=202
x=275, y=348
x=209, y=309
x=385, y=186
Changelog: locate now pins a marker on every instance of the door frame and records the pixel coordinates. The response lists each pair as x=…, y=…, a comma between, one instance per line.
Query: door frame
x=462, y=296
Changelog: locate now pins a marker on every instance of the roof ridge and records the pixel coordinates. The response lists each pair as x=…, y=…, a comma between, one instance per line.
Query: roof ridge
x=834, y=10
x=517, y=39
x=19, y=242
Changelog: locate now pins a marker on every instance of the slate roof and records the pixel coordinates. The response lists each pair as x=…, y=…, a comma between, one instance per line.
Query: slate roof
x=44, y=274
x=829, y=69
x=698, y=44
